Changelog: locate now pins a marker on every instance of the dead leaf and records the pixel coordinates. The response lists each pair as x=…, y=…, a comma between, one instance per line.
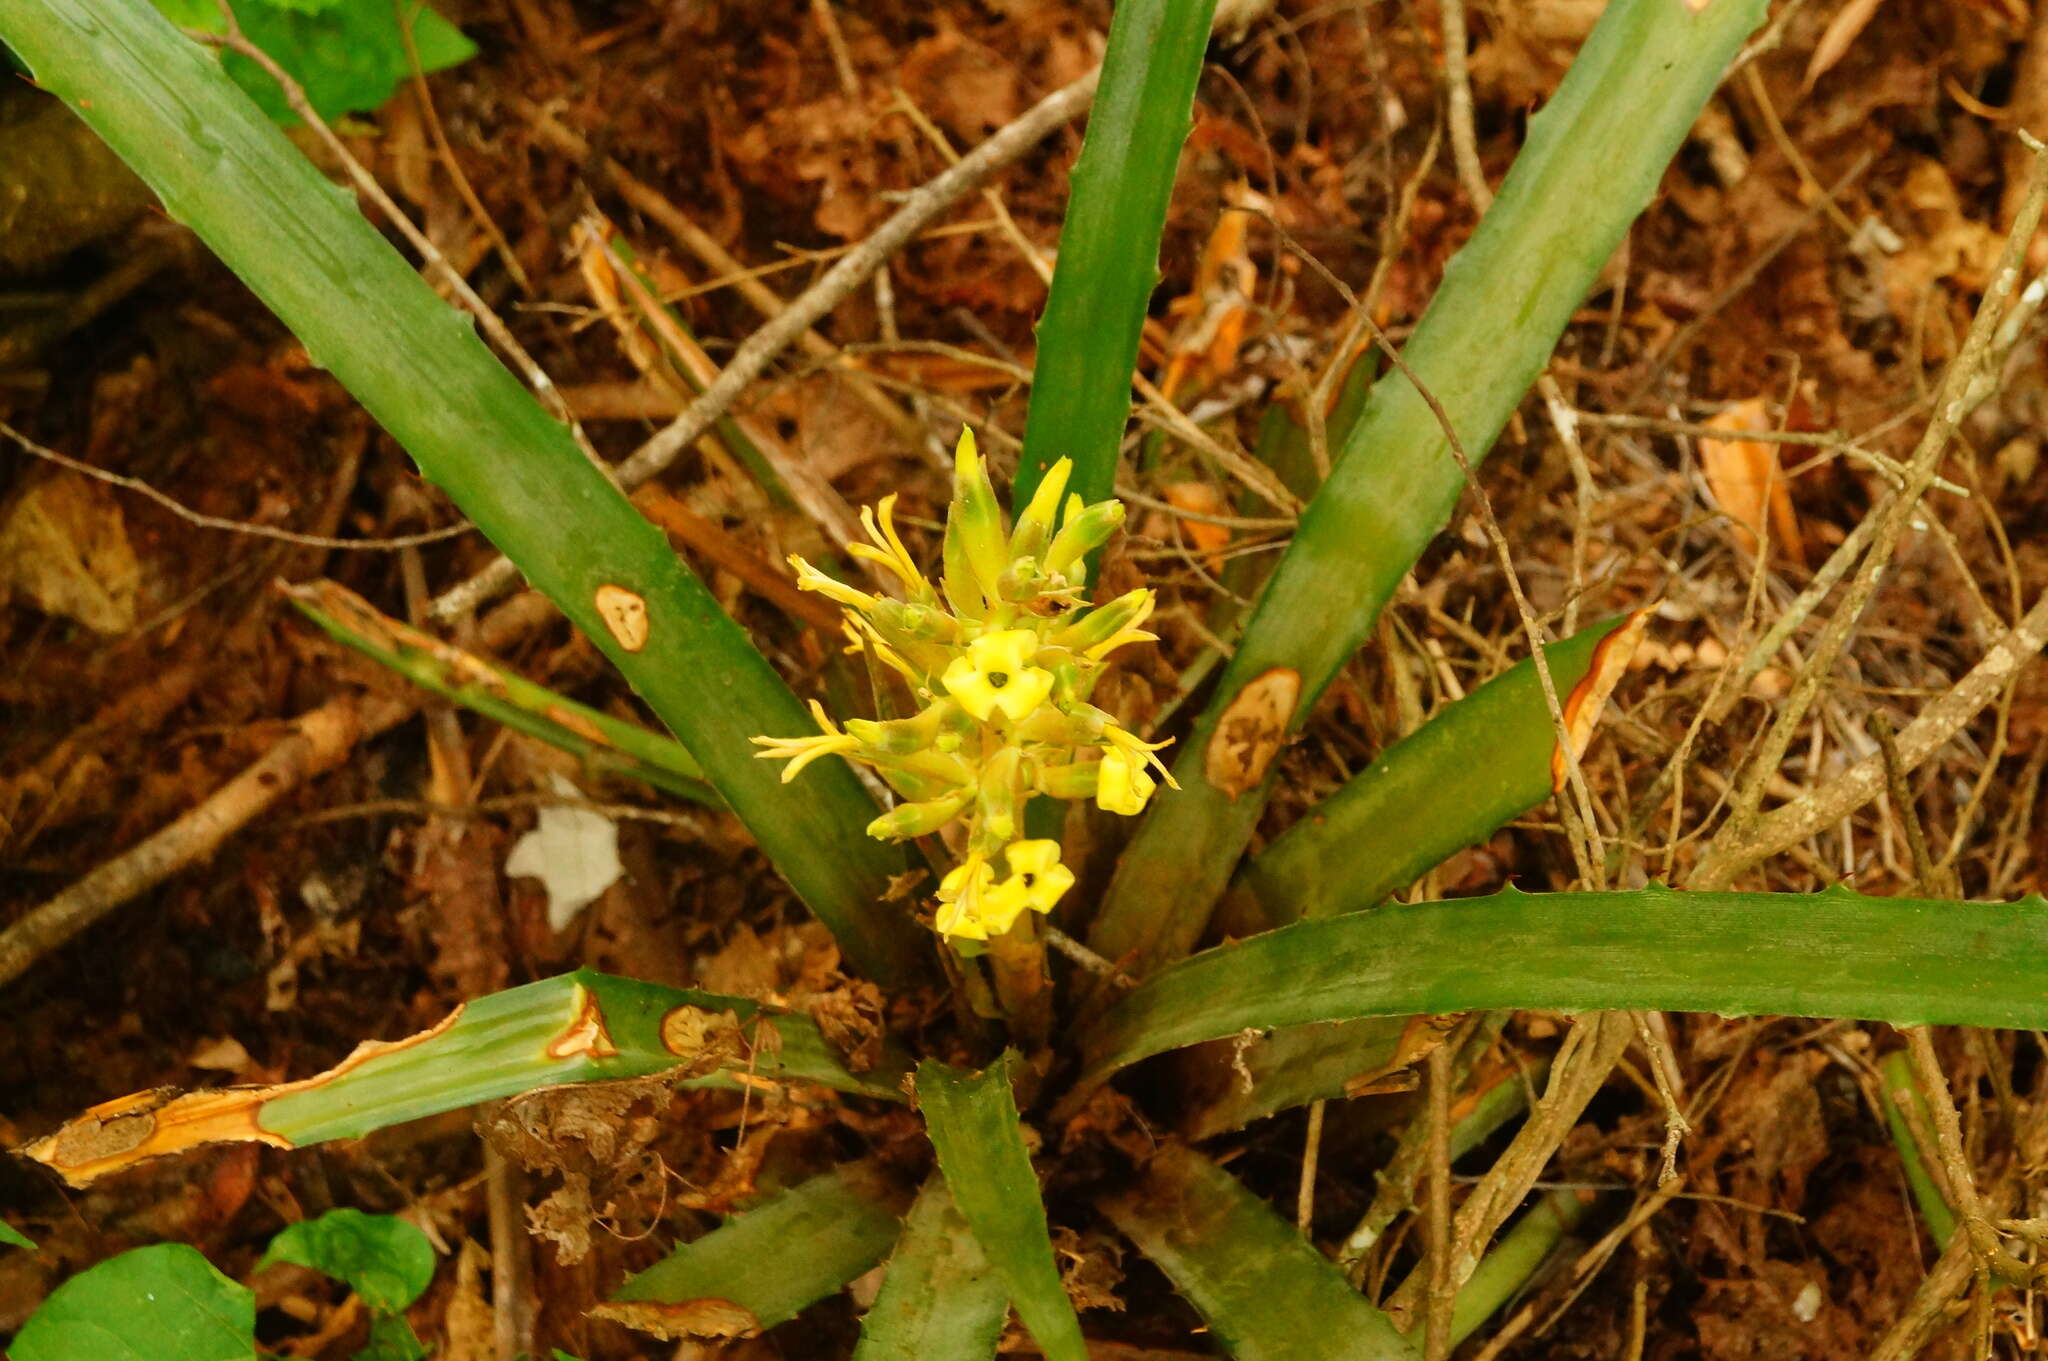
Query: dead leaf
x=1842, y=30
x=1748, y=483
x=681, y=1321
x=470, y=1329
x=1208, y=539
x=572, y=851
x=64, y=548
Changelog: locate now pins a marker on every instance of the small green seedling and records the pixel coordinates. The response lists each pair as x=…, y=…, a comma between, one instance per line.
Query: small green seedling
x=168, y=1303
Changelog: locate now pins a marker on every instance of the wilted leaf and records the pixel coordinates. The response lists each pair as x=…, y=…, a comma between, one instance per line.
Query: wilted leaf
x=1748, y=483
x=64, y=547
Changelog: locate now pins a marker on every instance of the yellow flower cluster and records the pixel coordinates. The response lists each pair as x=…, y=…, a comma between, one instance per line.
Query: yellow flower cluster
x=1001, y=657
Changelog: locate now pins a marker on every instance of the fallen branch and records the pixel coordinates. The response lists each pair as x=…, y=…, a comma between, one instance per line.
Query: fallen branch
x=318, y=742
x=1788, y=825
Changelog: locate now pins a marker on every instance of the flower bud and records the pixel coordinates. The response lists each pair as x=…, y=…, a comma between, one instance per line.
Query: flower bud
x=1034, y=526
x=1082, y=534
x=1105, y=622
x=975, y=538
x=1073, y=781
x=907, y=820
x=898, y=736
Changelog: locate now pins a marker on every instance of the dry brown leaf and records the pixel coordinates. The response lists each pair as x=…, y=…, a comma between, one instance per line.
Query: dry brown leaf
x=64, y=548
x=470, y=1334
x=1842, y=31
x=1208, y=539
x=1748, y=483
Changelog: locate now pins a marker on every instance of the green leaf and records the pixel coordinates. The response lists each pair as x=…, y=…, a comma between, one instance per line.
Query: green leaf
x=1475, y=765
x=15, y=1238
x=392, y=1339
x=418, y=367
x=1908, y=961
x=381, y=1257
x=1109, y=244
x=1591, y=162
x=774, y=1259
x=602, y=742
x=1897, y=1074
x=973, y=1123
x=940, y=1300
x=349, y=55
x=1262, y=1289
x=162, y=1303
x=578, y=1027
x=1289, y=1068
x=1514, y=1259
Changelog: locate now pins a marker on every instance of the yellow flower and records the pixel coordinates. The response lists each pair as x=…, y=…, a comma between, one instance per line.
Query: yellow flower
x=809, y=578
x=961, y=895
x=1123, y=784
x=996, y=674
x=801, y=751
x=1036, y=869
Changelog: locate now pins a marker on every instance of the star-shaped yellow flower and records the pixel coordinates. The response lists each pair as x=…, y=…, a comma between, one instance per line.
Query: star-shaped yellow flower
x=995, y=674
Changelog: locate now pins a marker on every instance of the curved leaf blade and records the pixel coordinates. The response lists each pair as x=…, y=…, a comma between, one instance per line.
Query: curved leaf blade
x=1109, y=244
x=973, y=1123
x=767, y=1264
x=1475, y=765
x=1260, y=1286
x=1591, y=163
x=941, y=1300
x=578, y=1027
x=1908, y=961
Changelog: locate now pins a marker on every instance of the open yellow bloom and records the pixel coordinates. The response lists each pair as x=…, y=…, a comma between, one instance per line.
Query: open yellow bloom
x=962, y=898
x=996, y=674
x=1123, y=784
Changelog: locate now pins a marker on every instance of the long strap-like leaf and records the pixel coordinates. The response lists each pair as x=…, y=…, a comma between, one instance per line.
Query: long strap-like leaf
x=1109, y=244
x=1591, y=162
x=1909, y=961
x=223, y=169
x=765, y=1264
x=1265, y=1292
x=578, y=1027
x=972, y=1120
x=940, y=1298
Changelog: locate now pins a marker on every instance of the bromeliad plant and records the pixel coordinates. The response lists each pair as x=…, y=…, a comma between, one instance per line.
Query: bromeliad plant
x=1000, y=660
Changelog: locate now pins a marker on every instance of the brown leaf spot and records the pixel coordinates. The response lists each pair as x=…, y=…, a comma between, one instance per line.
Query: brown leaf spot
x=578, y=724
x=695, y=1034
x=1583, y=705
x=585, y=1036
x=712, y=1318
x=125, y=1131
x=1250, y=732
x=625, y=614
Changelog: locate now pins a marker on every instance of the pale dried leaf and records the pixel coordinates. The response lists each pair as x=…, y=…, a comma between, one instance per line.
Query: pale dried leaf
x=64, y=548
x=1842, y=31
x=1748, y=483
x=573, y=852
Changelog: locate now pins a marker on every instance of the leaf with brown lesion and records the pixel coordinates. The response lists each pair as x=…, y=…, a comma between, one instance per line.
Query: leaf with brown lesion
x=131, y=1129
